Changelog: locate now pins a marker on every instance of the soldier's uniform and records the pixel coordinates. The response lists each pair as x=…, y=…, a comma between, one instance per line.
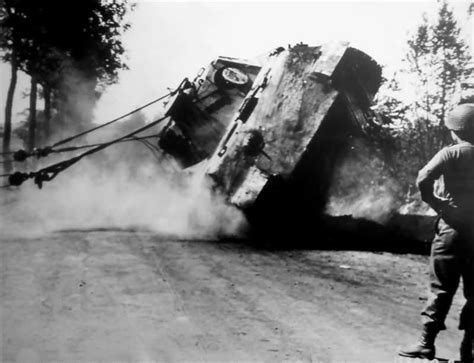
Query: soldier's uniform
x=452, y=251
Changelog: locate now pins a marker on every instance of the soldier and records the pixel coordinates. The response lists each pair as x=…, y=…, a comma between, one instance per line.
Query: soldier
x=452, y=251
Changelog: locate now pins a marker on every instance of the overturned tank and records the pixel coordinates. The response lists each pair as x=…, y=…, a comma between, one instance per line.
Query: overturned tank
x=268, y=133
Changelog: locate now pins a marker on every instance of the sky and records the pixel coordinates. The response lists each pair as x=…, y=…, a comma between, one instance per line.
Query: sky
x=172, y=40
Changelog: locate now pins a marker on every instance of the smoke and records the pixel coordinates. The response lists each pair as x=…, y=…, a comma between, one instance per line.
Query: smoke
x=362, y=188
x=125, y=186
x=91, y=196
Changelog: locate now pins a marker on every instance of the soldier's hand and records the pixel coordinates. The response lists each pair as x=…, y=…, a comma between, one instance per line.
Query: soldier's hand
x=453, y=216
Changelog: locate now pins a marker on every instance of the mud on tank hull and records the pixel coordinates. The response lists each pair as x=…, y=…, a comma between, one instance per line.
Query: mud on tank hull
x=271, y=141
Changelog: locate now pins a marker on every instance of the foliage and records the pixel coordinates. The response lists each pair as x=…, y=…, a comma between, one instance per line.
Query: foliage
x=438, y=57
x=49, y=36
x=72, y=48
x=413, y=104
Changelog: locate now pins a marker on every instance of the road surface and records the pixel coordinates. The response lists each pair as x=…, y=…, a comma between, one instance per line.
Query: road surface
x=89, y=296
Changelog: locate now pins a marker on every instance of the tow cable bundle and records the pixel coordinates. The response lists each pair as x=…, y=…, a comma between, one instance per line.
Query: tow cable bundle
x=50, y=172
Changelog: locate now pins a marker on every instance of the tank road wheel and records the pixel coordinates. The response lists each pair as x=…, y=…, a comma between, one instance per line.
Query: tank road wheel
x=230, y=77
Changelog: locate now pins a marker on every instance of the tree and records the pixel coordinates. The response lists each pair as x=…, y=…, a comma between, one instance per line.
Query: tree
x=412, y=127
x=8, y=39
x=8, y=113
x=72, y=57
x=437, y=57
x=92, y=42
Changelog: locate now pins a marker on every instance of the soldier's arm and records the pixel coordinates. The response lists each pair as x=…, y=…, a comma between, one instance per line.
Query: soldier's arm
x=426, y=178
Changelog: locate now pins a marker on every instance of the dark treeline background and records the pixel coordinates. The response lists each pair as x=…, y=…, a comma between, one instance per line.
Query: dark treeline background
x=437, y=73
x=71, y=50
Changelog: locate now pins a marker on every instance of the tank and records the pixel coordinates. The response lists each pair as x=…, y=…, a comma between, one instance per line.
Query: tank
x=268, y=133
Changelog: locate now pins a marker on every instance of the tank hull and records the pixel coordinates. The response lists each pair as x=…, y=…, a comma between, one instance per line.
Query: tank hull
x=285, y=133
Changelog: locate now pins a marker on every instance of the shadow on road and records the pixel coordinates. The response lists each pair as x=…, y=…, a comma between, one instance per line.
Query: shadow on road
x=401, y=234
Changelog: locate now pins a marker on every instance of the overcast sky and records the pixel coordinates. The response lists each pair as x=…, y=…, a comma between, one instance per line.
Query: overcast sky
x=172, y=40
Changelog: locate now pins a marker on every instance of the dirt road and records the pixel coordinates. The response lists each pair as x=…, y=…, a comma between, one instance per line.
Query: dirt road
x=132, y=296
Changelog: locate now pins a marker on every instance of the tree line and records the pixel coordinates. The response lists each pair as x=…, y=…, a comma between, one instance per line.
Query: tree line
x=71, y=50
x=412, y=105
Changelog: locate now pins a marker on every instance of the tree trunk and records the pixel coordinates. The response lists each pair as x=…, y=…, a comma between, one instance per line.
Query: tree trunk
x=32, y=118
x=47, y=113
x=445, y=134
x=8, y=115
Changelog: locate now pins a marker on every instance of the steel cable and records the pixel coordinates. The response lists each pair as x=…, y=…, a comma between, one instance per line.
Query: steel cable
x=112, y=121
x=50, y=172
x=60, y=142
x=73, y=148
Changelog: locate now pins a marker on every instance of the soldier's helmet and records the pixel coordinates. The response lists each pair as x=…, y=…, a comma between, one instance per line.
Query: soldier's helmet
x=461, y=118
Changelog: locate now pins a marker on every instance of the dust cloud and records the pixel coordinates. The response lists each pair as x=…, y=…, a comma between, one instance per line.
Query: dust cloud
x=127, y=186
x=118, y=191
x=362, y=188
